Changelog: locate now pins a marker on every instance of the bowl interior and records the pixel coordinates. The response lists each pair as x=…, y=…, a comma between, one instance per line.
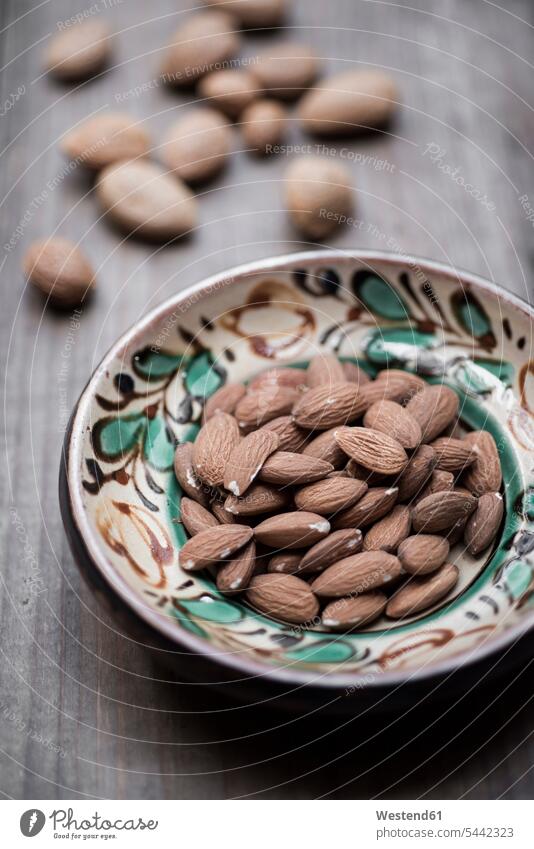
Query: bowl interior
x=374, y=310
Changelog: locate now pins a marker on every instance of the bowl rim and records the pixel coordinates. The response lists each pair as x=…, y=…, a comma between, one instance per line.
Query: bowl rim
x=162, y=623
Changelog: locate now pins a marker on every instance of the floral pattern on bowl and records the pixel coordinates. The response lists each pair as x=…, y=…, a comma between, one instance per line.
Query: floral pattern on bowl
x=374, y=309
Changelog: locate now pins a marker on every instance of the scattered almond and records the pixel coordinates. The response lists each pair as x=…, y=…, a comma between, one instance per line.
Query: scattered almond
x=199, y=45
x=143, y=199
x=59, y=269
x=263, y=126
x=230, y=89
x=198, y=145
x=79, y=51
x=105, y=139
x=284, y=70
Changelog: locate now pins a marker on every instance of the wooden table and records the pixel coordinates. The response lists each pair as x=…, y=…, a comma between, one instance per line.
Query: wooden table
x=84, y=712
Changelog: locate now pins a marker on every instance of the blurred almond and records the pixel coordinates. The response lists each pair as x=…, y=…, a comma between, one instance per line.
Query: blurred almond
x=224, y=400
x=324, y=369
x=434, y=408
x=59, y=269
x=79, y=51
x=202, y=42
x=263, y=404
x=105, y=139
x=197, y=146
x=230, y=89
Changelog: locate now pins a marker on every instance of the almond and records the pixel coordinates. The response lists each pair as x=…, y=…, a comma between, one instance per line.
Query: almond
x=283, y=597
x=348, y=103
x=263, y=126
x=439, y=481
x=434, y=408
x=390, y=418
x=420, y=593
x=247, y=458
x=235, y=575
x=389, y=532
x=292, y=378
x=330, y=495
x=199, y=45
x=79, y=51
x=258, y=499
x=373, y=450
x=194, y=517
x=286, y=468
x=416, y=474
x=318, y=195
x=324, y=369
x=343, y=614
x=224, y=400
x=325, y=447
x=456, y=533
x=223, y=516
x=399, y=380
x=484, y=475
x=375, y=503
x=229, y=89
x=354, y=470
x=292, y=530
x=104, y=139
x=399, y=387
x=357, y=574
x=212, y=545
x=142, y=198
x=198, y=145
x=253, y=13
x=59, y=269
x=290, y=436
x=327, y=406
x=336, y=546
x=286, y=563
x=354, y=374
x=185, y=473
x=285, y=69
x=440, y=511
x=484, y=522
x=262, y=405
x=213, y=446
x=453, y=455
x=423, y=553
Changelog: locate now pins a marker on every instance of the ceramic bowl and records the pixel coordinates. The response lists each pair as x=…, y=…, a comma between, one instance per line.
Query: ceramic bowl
x=121, y=501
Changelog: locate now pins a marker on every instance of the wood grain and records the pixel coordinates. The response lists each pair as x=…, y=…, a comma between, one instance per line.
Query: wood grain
x=85, y=712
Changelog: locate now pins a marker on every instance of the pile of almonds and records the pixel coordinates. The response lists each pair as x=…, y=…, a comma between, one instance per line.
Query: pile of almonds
x=155, y=201
x=323, y=493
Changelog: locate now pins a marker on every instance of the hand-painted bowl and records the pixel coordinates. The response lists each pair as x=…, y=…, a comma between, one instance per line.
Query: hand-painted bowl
x=121, y=502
